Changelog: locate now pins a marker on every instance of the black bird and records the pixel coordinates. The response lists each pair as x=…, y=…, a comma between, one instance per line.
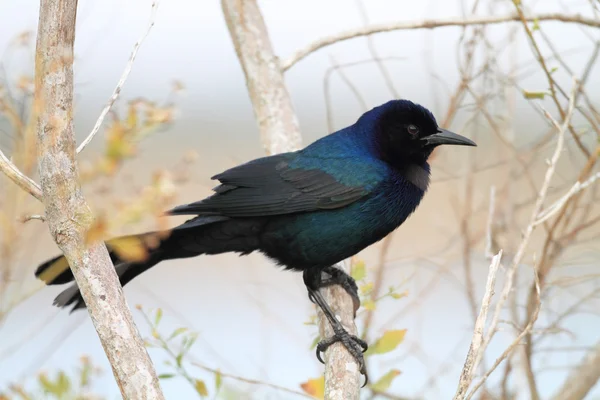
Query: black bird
x=307, y=210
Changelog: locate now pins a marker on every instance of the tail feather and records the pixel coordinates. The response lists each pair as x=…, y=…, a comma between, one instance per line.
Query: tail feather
x=200, y=235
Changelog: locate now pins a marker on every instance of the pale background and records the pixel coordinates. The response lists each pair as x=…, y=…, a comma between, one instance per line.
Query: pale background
x=249, y=314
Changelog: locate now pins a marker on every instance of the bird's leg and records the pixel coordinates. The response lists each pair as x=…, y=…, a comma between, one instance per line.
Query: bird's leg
x=339, y=277
x=354, y=345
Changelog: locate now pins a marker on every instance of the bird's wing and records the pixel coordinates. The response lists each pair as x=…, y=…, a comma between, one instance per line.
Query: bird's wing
x=280, y=184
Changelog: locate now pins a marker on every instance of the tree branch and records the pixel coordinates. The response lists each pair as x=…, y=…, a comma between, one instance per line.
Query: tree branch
x=474, y=354
x=280, y=132
x=124, y=76
x=67, y=212
x=429, y=24
x=582, y=378
x=24, y=182
x=271, y=101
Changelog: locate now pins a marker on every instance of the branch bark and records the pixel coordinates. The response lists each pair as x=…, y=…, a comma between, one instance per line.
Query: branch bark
x=429, y=24
x=280, y=132
x=277, y=122
x=24, y=182
x=582, y=378
x=67, y=212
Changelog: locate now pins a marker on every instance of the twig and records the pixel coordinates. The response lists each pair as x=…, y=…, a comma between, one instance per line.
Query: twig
x=24, y=182
x=252, y=381
x=473, y=355
x=28, y=218
x=124, y=76
x=582, y=378
x=429, y=24
x=490, y=225
x=68, y=214
x=514, y=344
x=560, y=203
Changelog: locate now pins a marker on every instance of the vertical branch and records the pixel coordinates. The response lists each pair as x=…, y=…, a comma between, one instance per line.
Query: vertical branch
x=280, y=132
x=271, y=101
x=67, y=212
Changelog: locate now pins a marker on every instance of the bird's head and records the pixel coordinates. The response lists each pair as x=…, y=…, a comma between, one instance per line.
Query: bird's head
x=408, y=132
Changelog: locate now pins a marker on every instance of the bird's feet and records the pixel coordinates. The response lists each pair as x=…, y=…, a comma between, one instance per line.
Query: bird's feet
x=339, y=277
x=355, y=346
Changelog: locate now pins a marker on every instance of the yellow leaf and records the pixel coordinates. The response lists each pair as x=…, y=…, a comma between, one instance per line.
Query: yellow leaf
x=132, y=117
x=358, y=270
x=201, y=388
x=369, y=305
x=385, y=381
x=129, y=248
x=388, y=342
x=315, y=387
x=366, y=288
x=399, y=295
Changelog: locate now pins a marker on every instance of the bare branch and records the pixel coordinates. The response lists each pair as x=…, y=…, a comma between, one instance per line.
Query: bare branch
x=429, y=24
x=24, y=182
x=124, y=76
x=271, y=101
x=280, y=132
x=68, y=213
x=473, y=355
x=582, y=378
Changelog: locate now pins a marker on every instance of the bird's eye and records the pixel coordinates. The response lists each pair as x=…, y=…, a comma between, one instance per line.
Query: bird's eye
x=413, y=130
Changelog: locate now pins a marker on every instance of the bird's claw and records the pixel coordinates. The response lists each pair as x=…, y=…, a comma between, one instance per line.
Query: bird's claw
x=355, y=346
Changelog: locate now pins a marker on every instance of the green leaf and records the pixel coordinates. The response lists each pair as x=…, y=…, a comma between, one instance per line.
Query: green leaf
x=166, y=376
x=534, y=95
x=178, y=359
x=201, y=388
x=158, y=317
x=536, y=25
x=176, y=332
x=359, y=270
x=218, y=380
x=63, y=384
x=385, y=381
x=315, y=342
x=388, y=342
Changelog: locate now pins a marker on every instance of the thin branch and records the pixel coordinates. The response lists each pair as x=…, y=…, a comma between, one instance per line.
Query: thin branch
x=473, y=355
x=24, y=182
x=252, y=381
x=429, y=24
x=67, y=212
x=582, y=378
x=124, y=76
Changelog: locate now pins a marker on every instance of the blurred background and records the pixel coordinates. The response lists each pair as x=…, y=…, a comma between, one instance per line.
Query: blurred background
x=252, y=321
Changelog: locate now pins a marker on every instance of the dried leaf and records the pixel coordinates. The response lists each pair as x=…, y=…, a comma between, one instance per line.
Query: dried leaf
x=388, y=342
x=97, y=231
x=314, y=387
x=201, y=388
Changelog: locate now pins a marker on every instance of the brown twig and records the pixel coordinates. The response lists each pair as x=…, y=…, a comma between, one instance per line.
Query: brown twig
x=122, y=80
x=24, y=182
x=429, y=24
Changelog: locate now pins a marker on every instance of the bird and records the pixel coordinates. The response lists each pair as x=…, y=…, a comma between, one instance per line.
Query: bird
x=306, y=210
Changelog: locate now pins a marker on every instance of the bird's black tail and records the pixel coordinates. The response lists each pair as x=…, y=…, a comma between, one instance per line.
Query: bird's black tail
x=200, y=235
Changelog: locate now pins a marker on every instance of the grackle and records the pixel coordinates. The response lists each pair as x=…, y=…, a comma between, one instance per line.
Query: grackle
x=307, y=210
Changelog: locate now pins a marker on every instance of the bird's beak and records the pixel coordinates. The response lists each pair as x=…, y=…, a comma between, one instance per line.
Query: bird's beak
x=446, y=137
